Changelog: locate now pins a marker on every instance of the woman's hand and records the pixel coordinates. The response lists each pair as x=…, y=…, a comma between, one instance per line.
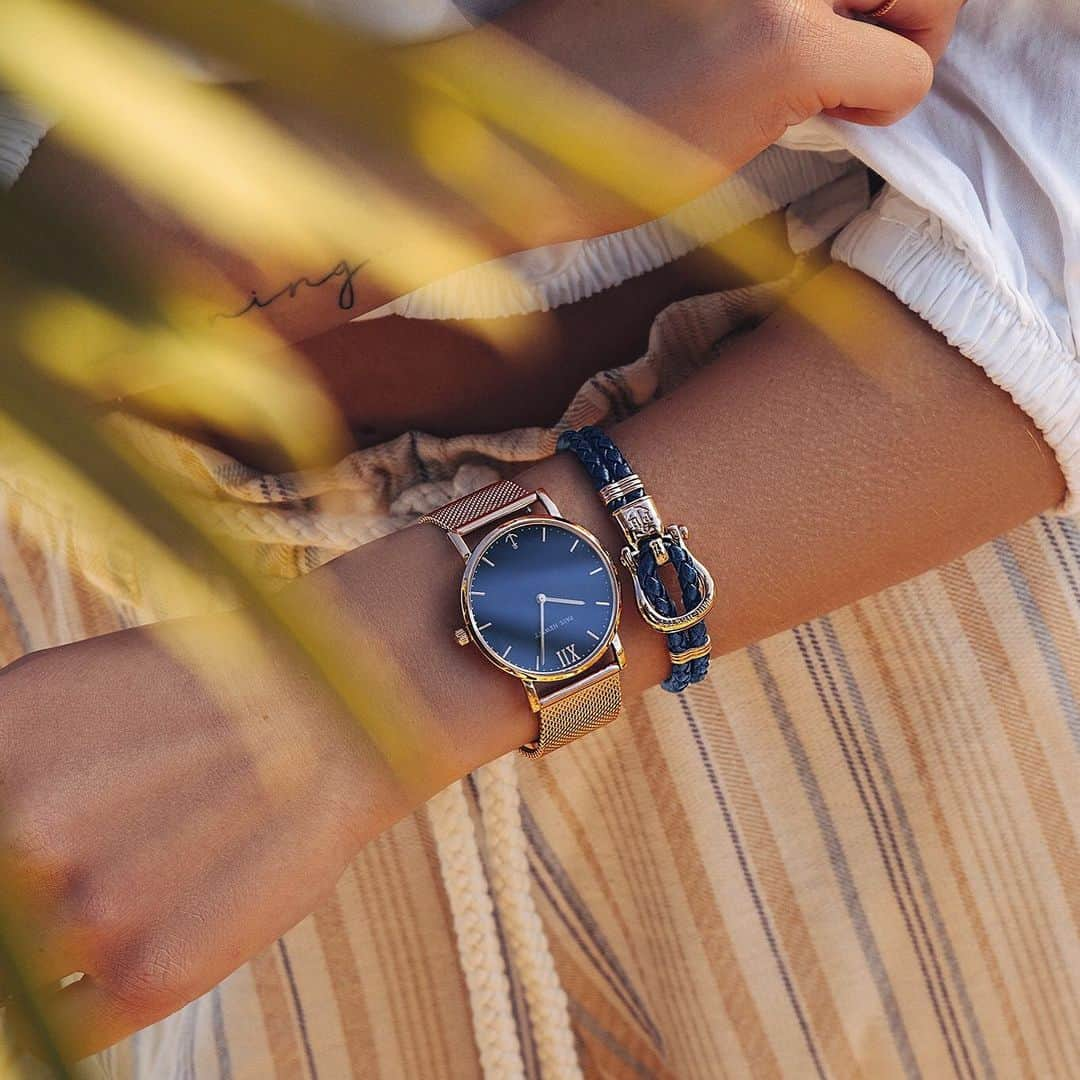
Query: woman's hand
x=717, y=82
x=730, y=75
x=929, y=23
x=726, y=77
x=926, y=23
x=155, y=837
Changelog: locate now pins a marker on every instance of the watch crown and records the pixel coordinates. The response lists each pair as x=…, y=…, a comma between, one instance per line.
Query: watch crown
x=461, y=636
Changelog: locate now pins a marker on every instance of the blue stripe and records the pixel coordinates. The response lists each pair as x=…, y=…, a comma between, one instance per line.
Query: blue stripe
x=884, y=839
x=751, y=884
x=610, y=969
x=838, y=862
x=25, y=644
x=910, y=843
x=1051, y=535
x=221, y=1042
x=586, y=1020
x=1044, y=640
x=1071, y=533
x=576, y=1011
x=301, y=1020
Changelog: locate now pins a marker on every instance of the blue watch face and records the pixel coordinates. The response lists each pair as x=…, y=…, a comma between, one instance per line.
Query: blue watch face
x=542, y=598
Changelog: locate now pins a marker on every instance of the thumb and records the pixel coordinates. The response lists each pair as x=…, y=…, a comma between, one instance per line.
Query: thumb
x=928, y=23
x=869, y=74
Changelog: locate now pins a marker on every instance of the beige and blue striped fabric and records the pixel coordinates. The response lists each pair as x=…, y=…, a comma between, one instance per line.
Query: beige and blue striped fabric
x=853, y=851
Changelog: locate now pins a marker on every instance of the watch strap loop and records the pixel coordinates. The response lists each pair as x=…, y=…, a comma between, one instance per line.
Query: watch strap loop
x=461, y=514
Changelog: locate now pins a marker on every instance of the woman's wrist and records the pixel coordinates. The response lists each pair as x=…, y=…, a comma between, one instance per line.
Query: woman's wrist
x=402, y=594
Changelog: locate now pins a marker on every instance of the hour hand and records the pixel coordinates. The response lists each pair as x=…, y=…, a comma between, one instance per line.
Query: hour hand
x=560, y=600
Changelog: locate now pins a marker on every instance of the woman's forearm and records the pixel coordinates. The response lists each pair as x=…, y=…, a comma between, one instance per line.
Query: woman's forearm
x=839, y=449
x=546, y=202
x=650, y=104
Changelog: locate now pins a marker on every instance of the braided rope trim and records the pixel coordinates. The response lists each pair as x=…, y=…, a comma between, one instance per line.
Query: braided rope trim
x=479, y=949
x=527, y=941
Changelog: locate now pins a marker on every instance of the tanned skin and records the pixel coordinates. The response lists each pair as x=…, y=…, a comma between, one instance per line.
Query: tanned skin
x=814, y=462
x=669, y=62
x=147, y=817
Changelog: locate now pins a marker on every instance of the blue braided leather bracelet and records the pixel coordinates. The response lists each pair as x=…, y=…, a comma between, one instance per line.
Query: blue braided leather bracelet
x=649, y=546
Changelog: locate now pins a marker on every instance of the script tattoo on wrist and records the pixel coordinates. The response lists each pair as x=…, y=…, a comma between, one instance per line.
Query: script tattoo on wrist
x=342, y=271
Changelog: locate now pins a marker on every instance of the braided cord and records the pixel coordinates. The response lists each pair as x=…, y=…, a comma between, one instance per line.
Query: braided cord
x=479, y=949
x=604, y=463
x=682, y=675
x=526, y=939
x=601, y=459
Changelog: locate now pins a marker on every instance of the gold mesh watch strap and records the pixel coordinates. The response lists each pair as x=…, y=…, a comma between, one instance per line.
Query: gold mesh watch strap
x=576, y=710
x=457, y=515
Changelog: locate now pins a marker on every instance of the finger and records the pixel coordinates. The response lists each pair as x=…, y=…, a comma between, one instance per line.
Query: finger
x=866, y=117
x=868, y=68
x=927, y=23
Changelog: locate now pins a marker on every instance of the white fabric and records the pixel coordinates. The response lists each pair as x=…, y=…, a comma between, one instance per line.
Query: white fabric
x=979, y=229
x=414, y=20
x=21, y=129
x=546, y=278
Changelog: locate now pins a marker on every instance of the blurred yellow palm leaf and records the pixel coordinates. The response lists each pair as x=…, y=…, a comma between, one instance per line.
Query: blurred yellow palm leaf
x=453, y=105
x=378, y=92
x=62, y=447
x=108, y=326
x=208, y=156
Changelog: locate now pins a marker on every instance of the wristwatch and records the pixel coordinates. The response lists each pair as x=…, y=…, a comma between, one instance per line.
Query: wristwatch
x=540, y=600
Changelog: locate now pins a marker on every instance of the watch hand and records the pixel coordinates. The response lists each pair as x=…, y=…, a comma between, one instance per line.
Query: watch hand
x=560, y=600
x=541, y=599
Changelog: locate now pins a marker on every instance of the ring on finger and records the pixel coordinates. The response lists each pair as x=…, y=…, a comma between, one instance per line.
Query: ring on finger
x=882, y=9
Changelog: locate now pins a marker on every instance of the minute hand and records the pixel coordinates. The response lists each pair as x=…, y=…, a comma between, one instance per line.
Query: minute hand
x=559, y=600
